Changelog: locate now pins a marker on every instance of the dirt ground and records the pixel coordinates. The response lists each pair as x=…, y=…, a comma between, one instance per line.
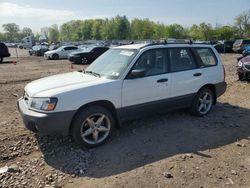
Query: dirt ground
x=169, y=150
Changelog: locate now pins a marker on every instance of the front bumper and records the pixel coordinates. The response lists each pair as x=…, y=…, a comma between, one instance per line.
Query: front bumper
x=45, y=123
x=46, y=56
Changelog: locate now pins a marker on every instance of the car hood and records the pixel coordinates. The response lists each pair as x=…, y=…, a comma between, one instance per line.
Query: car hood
x=245, y=59
x=51, y=51
x=53, y=85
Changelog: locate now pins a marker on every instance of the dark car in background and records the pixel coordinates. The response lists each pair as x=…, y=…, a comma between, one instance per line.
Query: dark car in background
x=239, y=45
x=4, y=51
x=225, y=46
x=87, y=56
x=244, y=68
x=38, y=50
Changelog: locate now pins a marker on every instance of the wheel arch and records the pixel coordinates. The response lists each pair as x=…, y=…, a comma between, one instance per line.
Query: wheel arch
x=103, y=103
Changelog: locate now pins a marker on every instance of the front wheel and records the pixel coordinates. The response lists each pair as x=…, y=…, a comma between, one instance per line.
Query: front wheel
x=92, y=126
x=55, y=56
x=203, y=102
x=1, y=59
x=241, y=77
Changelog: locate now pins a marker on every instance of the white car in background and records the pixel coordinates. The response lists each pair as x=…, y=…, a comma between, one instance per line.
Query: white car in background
x=60, y=53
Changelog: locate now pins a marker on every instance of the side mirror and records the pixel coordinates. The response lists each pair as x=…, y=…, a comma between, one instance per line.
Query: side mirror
x=137, y=73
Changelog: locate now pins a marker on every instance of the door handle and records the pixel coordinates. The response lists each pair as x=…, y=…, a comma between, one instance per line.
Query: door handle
x=197, y=74
x=162, y=80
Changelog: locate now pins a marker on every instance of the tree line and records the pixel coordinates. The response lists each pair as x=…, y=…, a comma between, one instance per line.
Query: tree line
x=120, y=28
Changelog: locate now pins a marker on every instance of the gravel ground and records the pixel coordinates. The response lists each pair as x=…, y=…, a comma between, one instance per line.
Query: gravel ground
x=168, y=150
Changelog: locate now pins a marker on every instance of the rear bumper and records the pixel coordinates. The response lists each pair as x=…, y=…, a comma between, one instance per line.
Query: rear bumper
x=45, y=123
x=220, y=88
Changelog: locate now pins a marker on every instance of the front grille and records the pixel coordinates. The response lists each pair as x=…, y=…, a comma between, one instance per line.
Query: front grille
x=247, y=66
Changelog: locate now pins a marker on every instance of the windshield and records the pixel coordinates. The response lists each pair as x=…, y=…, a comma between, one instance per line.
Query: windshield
x=113, y=63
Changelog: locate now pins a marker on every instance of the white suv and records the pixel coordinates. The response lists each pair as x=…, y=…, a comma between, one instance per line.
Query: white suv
x=124, y=83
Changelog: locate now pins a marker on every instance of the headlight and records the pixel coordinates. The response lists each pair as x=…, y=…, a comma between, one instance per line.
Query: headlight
x=240, y=63
x=46, y=104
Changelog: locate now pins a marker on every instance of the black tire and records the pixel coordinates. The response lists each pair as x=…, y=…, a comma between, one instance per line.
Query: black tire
x=241, y=77
x=84, y=60
x=1, y=59
x=199, y=101
x=55, y=56
x=82, y=125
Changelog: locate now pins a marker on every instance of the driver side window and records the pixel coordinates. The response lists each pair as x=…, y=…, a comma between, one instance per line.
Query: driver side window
x=154, y=62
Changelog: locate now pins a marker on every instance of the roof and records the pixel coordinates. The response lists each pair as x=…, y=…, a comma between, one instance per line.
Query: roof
x=142, y=45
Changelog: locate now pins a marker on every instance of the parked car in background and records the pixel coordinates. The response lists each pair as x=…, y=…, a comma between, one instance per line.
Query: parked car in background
x=244, y=68
x=239, y=45
x=38, y=50
x=87, y=56
x=60, y=53
x=4, y=51
x=224, y=46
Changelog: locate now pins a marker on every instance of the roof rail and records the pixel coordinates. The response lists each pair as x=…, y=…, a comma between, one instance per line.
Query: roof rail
x=170, y=41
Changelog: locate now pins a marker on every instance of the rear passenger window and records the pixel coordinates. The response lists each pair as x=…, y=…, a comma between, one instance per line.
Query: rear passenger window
x=207, y=56
x=181, y=59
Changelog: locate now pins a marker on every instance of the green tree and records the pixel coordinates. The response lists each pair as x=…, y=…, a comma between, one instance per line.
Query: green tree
x=26, y=31
x=12, y=31
x=225, y=33
x=242, y=22
x=53, y=33
x=175, y=31
x=206, y=31
x=96, y=28
x=121, y=27
x=194, y=32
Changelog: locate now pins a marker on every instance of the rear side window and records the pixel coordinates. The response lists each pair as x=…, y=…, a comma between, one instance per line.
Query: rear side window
x=181, y=59
x=207, y=56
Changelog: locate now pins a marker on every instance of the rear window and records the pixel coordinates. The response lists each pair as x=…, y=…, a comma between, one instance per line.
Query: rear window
x=207, y=56
x=237, y=42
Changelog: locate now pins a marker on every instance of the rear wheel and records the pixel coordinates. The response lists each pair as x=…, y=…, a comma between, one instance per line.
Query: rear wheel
x=55, y=56
x=84, y=60
x=203, y=102
x=92, y=126
x=1, y=59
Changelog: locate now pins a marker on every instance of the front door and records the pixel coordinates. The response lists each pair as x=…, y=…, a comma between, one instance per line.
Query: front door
x=154, y=87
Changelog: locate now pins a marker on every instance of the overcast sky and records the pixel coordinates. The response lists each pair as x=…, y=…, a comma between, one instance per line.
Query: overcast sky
x=37, y=14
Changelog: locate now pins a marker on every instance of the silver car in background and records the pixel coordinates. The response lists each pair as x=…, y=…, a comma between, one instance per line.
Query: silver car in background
x=60, y=53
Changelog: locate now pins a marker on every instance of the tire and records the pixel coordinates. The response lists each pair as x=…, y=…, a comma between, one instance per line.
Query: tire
x=55, y=56
x=241, y=77
x=1, y=59
x=86, y=122
x=203, y=102
x=84, y=60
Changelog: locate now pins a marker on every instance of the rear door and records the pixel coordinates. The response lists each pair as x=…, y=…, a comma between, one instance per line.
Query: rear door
x=187, y=77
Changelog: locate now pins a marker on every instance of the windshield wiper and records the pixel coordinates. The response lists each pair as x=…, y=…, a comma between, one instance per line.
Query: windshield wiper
x=93, y=73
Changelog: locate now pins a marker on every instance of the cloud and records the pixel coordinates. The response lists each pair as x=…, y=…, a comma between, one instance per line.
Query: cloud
x=12, y=10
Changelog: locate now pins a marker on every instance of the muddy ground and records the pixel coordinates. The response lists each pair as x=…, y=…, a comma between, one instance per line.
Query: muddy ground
x=169, y=150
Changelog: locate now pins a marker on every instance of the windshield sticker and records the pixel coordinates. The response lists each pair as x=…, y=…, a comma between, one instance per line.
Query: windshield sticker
x=127, y=53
